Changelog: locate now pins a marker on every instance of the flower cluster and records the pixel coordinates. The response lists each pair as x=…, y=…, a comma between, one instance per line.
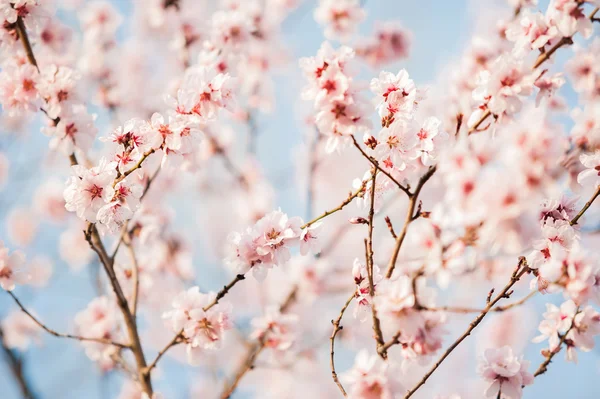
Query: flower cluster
x=569, y=324
x=506, y=373
x=267, y=243
x=372, y=377
x=100, y=319
x=201, y=321
x=340, y=110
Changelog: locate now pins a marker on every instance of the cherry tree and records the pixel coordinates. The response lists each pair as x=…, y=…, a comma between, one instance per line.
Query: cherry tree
x=429, y=208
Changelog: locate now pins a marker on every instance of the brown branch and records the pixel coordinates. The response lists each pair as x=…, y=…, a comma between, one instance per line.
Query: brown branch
x=135, y=167
x=388, y=222
x=177, y=339
x=520, y=270
x=369, y=260
x=337, y=328
x=93, y=238
x=253, y=352
x=15, y=363
x=136, y=280
x=586, y=207
x=395, y=340
x=61, y=335
x=22, y=32
x=376, y=165
x=348, y=200
x=412, y=202
x=224, y=291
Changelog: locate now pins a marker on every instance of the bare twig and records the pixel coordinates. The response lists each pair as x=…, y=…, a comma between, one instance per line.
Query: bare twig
x=585, y=207
x=376, y=165
x=337, y=328
x=224, y=291
x=61, y=335
x=348, y=200
x=521, y=269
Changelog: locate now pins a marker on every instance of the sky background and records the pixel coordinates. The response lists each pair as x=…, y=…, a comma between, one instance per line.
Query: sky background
x=440, y=28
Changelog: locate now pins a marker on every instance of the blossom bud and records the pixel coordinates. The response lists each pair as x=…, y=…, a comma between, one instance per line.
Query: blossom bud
x=358, y=220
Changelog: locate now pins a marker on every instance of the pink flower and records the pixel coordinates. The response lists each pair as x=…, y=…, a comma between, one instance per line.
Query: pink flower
x=278, y=328
x=372, y=378
x=506, y=373
x=264, y=245
x=590, y=176
x=390, y=42
x=19, y=331
x=18, y=88
x=11, y=272
x=203, y=92
x=309, y=239
x=57, y=87
x=202, y=329
x=530, y=32
x=548, y=86
x=569, y=18
x=397, y=96
x=90, y=189
x=340, y=17
x=112, y=216
x=75, y=130
x=556, y=322
x=364, y=299
x=100, y=319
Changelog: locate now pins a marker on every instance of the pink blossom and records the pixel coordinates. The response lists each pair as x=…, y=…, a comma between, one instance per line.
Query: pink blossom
x=505, y=372
x=590, y=176
x=371, y=378
x=275, y=329
x=18, y=88
x=11, y=271
x=19, y=331
x=202, y=329
x=90, y=189
x=75, y=130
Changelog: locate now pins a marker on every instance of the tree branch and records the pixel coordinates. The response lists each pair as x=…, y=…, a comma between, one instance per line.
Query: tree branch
x=61, y=335
x=520, y=270
x=337, y=328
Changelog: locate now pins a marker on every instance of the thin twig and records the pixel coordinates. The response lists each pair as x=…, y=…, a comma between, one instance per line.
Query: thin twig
x=376, y=165
x=61, y=335
x=348, y=200
x=224, y=291
x=412, y=202
x=499, y=308
x=585, y=207
x=337, y=328
x=521, y=269
x=177, y=339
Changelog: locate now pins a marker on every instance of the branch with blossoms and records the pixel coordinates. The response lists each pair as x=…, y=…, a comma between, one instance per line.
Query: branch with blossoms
x=454, y=170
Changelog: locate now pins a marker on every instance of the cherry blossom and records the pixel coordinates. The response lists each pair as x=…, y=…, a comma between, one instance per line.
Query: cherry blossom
x=202, y=329
x=340, y=18
x=11, y=271
x=371, y=377
x=505, y=372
